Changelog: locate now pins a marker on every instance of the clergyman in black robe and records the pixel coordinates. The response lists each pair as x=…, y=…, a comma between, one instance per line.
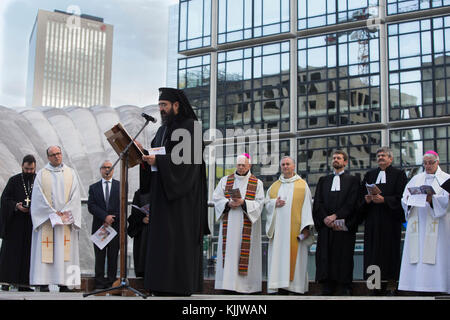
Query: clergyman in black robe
x=178, y=200
x=16, y=227
x=383, y=215
x=336, y=199
x=138, y=230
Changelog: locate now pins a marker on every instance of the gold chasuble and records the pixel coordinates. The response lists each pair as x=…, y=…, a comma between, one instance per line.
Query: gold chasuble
x=296, y=217
x=47, y=230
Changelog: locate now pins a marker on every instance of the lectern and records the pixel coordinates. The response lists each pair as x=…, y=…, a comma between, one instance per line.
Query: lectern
x=129, y=156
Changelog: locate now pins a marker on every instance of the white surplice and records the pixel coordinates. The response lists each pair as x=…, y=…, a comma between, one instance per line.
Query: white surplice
x=227, y=276
x=430, y=269
x=278, y=230
x=59, y=272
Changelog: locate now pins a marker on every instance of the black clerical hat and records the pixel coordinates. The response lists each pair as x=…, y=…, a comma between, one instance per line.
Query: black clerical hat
x=446, y=185
x=174, y=95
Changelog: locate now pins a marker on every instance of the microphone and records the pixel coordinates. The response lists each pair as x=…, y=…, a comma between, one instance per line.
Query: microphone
x=148, y=118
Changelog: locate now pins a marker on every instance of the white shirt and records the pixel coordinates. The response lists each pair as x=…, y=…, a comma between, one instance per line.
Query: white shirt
x=104, y=187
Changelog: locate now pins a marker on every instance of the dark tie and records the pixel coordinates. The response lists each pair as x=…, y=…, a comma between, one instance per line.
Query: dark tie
x=107, y=194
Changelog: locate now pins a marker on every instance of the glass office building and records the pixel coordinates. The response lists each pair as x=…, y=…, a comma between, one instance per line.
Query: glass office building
x=318, y=75
x=70, y=60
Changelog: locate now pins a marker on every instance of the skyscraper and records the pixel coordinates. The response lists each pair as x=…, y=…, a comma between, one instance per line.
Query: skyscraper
x=70, y=60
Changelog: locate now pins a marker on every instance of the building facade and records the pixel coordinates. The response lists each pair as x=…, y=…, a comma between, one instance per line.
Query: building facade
x=69, y=61
x=311, y=76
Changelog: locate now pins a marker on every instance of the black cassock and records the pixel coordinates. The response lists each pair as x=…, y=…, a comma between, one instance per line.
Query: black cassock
x=138, y=230
x=16, y=228
x=178, y=213
x=383, y=223
x=334, y=253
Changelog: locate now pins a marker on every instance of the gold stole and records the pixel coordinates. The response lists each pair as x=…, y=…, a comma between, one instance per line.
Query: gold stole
x=47, y=230
x=296, y=217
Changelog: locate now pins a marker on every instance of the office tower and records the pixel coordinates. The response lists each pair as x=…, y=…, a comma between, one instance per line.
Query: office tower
x=69, y=60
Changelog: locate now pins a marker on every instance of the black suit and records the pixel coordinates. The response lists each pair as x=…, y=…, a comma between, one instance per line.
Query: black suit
x=97, y=207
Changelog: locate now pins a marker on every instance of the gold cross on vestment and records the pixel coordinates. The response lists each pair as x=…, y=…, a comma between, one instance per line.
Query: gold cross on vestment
x=27, y=201
x=434, y=223
x=47, y=242
x=66, y=240
x=415, y=226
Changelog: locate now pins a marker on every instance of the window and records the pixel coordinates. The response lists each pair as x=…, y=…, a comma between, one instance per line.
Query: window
x=339, y=76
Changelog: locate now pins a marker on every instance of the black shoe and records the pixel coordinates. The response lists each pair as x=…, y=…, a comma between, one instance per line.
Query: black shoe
x=5, y=287
x=25, y=289
x=44, y=288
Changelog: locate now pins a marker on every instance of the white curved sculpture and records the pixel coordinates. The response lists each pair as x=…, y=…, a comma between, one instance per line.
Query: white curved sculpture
x=80, y=134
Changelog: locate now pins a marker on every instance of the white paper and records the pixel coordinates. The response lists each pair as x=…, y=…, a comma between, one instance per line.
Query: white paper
x=417, y=200
x=341, y=224
x=158, y=150
x=55, y=219
x=144, y=209
x=103, y=236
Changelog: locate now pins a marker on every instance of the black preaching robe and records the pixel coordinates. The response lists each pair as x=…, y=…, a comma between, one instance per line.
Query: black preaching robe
x=16, y=228
x=334, y=253
x=178, y=214
x=383, y=223
x=138, y=230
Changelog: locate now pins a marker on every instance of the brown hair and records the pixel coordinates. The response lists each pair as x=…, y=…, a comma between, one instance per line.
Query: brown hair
x=344, y=154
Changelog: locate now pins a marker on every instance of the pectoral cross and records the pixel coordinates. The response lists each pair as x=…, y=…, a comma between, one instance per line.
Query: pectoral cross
x=66, y=240
x=27, y=201
x=47, y=242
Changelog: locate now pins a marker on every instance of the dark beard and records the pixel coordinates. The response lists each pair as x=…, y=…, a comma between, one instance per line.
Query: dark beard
x=28, y=176
x=167, y=118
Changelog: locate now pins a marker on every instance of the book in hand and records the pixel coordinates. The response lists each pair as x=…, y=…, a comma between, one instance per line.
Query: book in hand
x=144, y=209
x=424, y=189
x=103, y=236
x=372, y=189
x=235, y=194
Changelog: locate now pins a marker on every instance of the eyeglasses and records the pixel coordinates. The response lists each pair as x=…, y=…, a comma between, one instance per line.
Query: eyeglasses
x=55, y=154
x=429, y=163
x=107, y=168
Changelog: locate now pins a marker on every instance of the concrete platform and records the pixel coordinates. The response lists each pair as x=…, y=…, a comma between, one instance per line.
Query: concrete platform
x=5, y=295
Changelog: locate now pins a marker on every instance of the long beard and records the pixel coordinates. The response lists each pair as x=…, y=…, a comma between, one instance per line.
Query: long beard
x=167, y=118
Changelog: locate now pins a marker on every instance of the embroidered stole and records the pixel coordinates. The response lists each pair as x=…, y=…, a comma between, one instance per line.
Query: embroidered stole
x=247, y=227
x=47, y=240
x=296, y=217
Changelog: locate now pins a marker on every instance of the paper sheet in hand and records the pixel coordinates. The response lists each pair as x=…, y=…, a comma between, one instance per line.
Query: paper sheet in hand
x=424, y=189
x=55, y=219
x=103, y=236
x=417, y=200
x=341, y=224
x=156, y=151
x=372, y=189
x=144, y=209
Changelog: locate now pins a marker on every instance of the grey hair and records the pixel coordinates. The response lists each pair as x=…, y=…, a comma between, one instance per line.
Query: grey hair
x=287, y=157
x=101, y=163
x=386, y=150
x=430, y=155
x=55, y=146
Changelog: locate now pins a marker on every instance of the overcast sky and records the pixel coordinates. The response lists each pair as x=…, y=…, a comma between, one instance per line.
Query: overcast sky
x=139, y=47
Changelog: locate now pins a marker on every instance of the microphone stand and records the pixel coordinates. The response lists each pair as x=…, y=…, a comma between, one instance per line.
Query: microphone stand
x=124, y=283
